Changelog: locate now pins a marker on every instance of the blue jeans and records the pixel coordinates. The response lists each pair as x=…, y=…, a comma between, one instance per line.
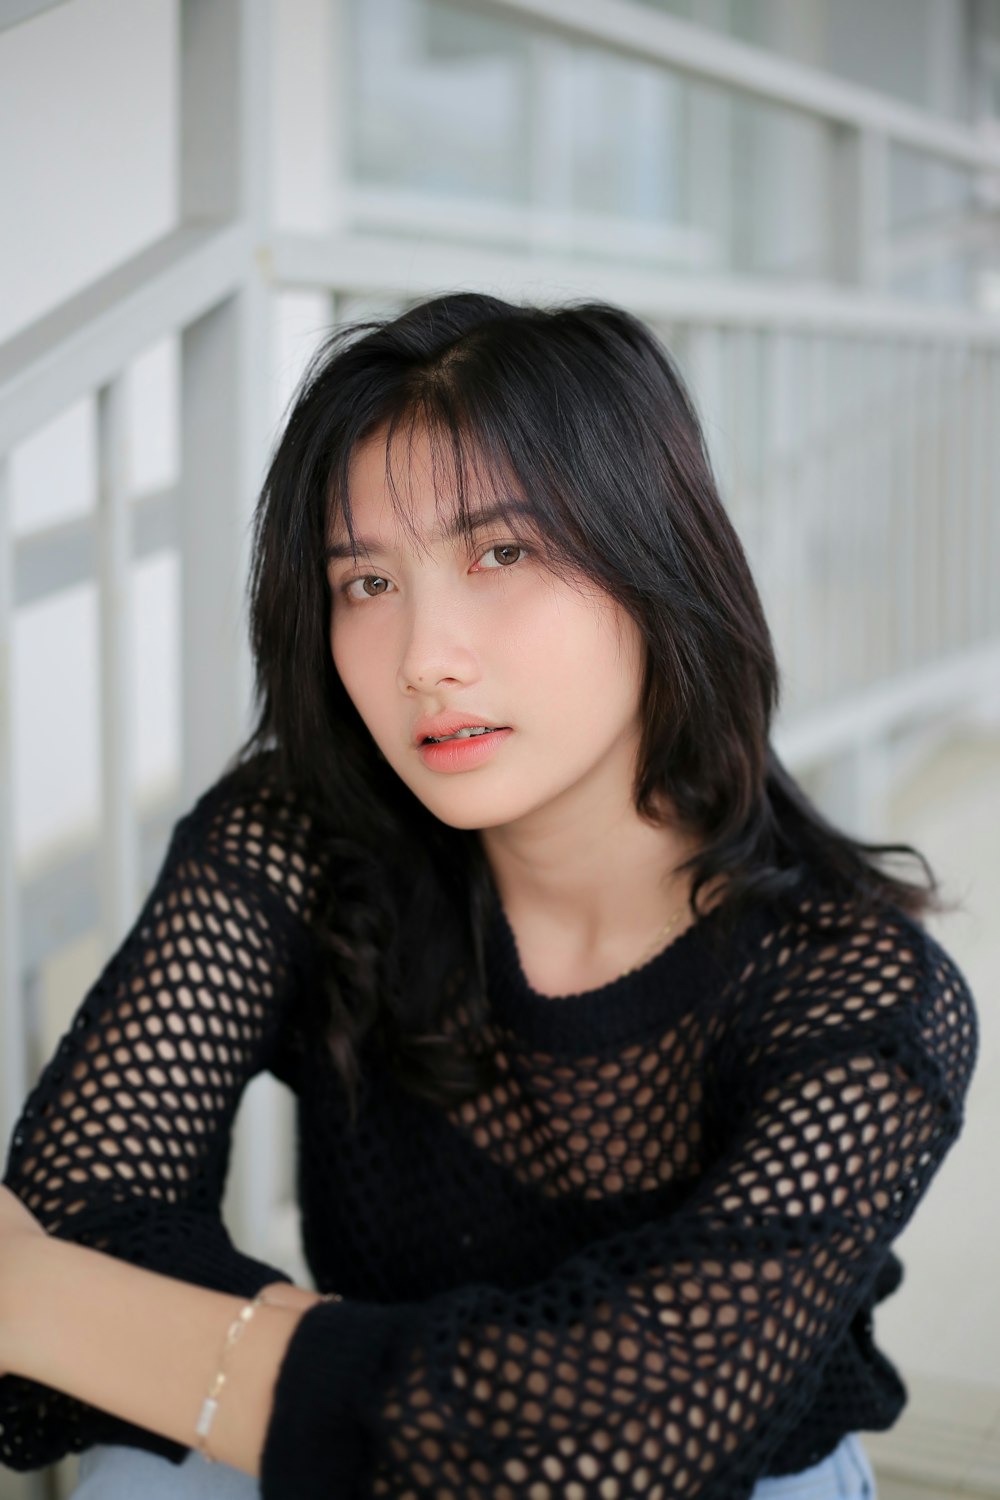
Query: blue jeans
x=119, y=1473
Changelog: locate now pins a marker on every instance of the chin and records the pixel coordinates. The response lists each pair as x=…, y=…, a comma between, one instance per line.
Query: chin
x=481, y=813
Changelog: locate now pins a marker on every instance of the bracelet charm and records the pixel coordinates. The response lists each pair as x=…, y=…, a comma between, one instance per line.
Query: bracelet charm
x=210, y=1405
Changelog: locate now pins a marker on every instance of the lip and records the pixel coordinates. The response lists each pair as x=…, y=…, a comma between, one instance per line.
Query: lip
x=463, y=755
x=442, y=724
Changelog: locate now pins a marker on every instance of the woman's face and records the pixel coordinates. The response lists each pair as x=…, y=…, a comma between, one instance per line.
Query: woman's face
x=489, y=633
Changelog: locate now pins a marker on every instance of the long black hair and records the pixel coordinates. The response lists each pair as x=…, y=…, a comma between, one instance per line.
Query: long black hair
x=579, y=411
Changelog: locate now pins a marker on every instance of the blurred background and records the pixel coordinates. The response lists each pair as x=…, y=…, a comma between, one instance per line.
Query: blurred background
x=801, y=196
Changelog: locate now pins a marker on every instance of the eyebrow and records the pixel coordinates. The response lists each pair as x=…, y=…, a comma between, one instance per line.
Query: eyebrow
x=454, y=529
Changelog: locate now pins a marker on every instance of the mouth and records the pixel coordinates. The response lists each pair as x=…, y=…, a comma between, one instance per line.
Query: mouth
x=464, y=734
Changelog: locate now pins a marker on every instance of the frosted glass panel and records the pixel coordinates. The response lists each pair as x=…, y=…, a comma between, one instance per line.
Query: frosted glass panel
x=627, y=124
x=440, y=99
x=479, y=127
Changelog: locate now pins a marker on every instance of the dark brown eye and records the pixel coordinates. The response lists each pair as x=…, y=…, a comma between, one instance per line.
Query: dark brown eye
x=505, y=547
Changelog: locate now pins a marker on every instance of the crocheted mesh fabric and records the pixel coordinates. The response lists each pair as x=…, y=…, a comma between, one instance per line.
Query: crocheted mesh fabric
x=644, y=1264
x=123, y=1145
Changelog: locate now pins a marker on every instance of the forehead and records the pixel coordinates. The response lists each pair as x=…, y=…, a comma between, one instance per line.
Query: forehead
x=409, y=472
x=421, y=488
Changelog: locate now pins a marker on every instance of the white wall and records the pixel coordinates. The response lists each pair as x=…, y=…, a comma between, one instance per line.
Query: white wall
x=87, y=165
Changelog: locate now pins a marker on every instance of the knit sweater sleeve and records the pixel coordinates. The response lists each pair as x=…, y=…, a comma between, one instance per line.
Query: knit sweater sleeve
x=671, y=1359
x=123, y=1143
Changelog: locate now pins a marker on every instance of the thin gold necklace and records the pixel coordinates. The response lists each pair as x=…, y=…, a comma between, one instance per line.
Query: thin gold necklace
x=656, y=941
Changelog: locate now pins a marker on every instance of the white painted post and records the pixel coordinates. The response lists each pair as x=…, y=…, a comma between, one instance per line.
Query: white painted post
x=742, y=343
x=903, y=581
x=859, y=207
x=889, y=423
x=979, y=494
x=707, y=349
x=710, y=146
x=13, y=1021
x=932, y=491
x=872, y=503
x=835, y=520
x=992, y=396
x=213, y=690
x=226, y=364
x=336, y=42
x=853, y=620
x=119, y=855
x=550, y=164
x=224, y=382
x=956, y=498
x=817, y=488
x=798, y=651
x=919, y=362
x=853, y=603
x=780, y=502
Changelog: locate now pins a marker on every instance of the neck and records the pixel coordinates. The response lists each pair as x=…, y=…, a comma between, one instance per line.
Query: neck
x=595, y=892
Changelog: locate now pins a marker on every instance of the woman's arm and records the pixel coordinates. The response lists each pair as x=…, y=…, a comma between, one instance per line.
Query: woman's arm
x=140, y=1345
x=124, y=1142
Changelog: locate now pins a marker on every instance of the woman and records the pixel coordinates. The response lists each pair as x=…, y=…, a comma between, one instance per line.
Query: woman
x=618, y=1068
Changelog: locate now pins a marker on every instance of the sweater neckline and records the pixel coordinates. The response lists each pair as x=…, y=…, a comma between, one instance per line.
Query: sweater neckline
x=659, y=989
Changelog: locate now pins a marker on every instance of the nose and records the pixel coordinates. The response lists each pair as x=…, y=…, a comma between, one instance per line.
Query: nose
x=436, y=648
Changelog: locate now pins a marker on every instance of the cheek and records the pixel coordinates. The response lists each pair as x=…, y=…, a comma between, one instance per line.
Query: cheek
x=343, y=657
x=332, y=635
x=577, y=654
x=359, y=660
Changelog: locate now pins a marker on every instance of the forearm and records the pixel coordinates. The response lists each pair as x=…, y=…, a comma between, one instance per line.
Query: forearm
x=140, y=1345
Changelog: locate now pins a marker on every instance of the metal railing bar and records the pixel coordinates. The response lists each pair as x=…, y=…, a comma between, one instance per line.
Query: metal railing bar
x=934, y=239
x=553, y=230
x=87, y=340
x=949, y=686
x=359, y=264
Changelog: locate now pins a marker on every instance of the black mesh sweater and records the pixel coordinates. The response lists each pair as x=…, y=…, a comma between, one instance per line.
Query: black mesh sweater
x=644, y=1265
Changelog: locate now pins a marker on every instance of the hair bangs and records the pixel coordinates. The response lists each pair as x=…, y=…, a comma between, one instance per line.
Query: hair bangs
x=476, y=471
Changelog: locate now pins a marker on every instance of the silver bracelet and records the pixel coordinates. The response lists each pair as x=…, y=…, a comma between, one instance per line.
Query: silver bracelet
x=211, y=1403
